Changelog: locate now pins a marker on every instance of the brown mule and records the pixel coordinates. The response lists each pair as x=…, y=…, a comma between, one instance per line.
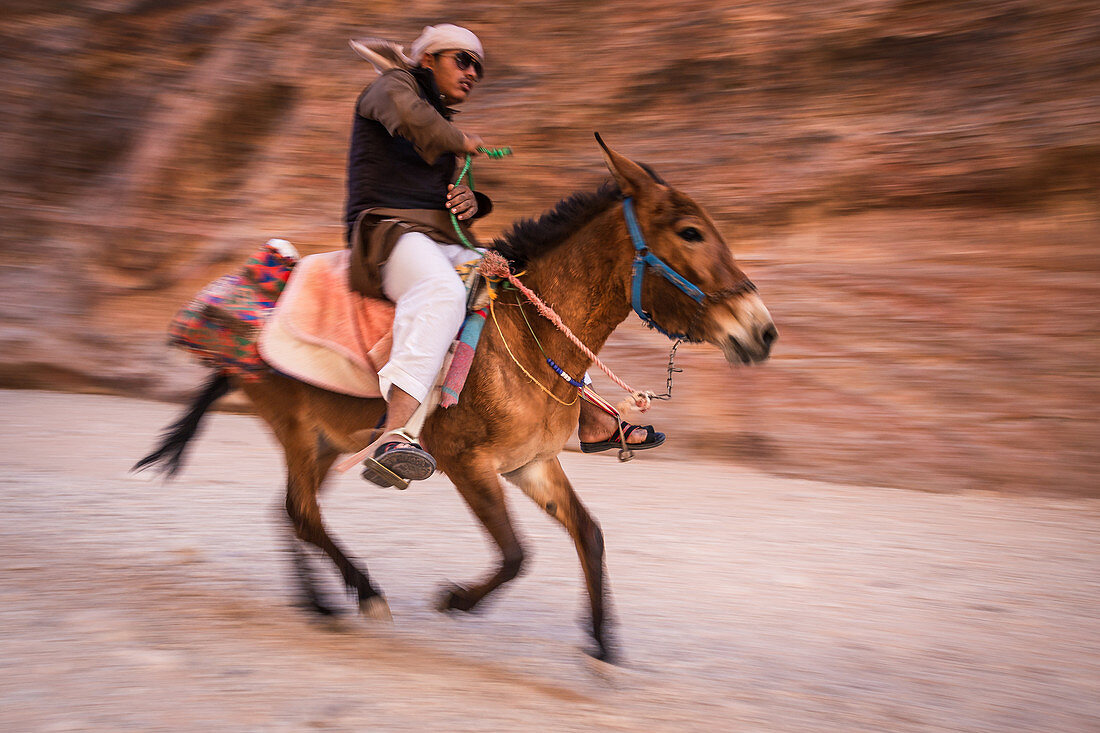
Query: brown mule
x=581, y=258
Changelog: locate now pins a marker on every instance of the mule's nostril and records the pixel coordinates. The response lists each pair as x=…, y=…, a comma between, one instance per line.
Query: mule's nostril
x=769, y=335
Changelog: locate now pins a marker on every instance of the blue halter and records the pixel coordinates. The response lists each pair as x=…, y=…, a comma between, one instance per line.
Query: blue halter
x=643, y=258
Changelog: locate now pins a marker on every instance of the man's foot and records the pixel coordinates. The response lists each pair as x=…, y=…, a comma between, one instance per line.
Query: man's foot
x=650, y=439
x=408, y=461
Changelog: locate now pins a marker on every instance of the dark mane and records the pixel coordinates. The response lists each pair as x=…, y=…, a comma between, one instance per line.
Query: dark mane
x=528, y=238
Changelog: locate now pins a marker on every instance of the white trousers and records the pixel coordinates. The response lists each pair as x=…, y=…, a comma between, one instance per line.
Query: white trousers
x=420, y=279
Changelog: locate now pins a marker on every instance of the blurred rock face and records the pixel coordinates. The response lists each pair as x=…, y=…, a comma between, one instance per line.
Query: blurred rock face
x=911, y=184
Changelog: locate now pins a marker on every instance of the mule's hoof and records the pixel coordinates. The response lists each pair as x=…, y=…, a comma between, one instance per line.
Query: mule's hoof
x=455, y=598
x=376, y=609
x=603, y=652
x=318, y=607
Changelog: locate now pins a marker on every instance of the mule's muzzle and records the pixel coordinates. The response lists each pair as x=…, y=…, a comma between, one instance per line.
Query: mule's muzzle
x=768, y=335
x=753, y=349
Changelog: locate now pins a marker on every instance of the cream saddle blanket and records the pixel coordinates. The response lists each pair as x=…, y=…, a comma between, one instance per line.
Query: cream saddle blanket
x=323, y=333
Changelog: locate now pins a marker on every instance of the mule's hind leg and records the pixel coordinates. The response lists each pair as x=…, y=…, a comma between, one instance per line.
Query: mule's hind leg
x=307, y=467
x=546, y=483
x=304, y=571
x=485, y=497
x=312, y=598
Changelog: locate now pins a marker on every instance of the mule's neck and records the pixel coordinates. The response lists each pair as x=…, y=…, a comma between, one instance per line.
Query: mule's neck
x=586, y=280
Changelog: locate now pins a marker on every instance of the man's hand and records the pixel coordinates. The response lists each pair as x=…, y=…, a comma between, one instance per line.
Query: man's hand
x=471, y=143
x=461, y=201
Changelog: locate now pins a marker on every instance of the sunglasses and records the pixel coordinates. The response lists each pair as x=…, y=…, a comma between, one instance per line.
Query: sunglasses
x=464, y=60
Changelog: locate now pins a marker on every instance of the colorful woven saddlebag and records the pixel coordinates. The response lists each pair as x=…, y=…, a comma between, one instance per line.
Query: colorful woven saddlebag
x=222, y=323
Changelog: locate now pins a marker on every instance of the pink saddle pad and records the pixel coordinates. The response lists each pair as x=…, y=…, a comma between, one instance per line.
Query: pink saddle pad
x=323, y=333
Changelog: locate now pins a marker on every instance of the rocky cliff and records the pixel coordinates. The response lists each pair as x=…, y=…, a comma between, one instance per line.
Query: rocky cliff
x=912, y=184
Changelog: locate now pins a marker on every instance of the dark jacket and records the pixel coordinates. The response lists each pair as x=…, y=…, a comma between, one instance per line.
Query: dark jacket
x=402, y=152
x=400, y=162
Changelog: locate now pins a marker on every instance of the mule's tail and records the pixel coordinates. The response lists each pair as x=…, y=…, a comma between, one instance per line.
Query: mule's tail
x=168, y=457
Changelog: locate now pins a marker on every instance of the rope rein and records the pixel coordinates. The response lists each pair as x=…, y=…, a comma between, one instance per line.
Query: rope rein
x=553, y=364
x=495, y=266
x=521, y=367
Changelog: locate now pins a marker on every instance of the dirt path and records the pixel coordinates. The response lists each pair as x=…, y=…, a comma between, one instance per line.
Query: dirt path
x=744, y=601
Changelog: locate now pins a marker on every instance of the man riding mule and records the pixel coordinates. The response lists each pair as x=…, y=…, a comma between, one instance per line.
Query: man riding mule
x=594, y=256
x=636, y=244
x=401, y=168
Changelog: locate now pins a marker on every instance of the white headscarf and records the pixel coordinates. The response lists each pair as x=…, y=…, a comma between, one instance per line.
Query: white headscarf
x=444, y=37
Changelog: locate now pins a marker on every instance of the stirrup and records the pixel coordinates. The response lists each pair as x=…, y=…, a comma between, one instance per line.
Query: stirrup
x=379, y=475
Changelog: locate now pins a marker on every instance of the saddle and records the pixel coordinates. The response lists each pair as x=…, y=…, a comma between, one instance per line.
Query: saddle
x=325, y=334
x=301, y=318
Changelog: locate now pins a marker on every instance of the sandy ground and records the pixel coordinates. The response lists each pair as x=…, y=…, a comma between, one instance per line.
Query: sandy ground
x=743, y=601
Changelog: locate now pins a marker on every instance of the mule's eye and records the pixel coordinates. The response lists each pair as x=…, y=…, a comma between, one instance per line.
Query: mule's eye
x=691, y=234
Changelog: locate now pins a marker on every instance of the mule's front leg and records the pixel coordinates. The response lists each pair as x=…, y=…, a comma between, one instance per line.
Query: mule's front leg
x=485, y=497
x=546, y=483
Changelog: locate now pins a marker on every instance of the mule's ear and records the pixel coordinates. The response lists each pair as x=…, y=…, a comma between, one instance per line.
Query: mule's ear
x=631, y=177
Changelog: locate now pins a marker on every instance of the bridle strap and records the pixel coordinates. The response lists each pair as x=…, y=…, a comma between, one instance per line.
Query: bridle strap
x=644, y=258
